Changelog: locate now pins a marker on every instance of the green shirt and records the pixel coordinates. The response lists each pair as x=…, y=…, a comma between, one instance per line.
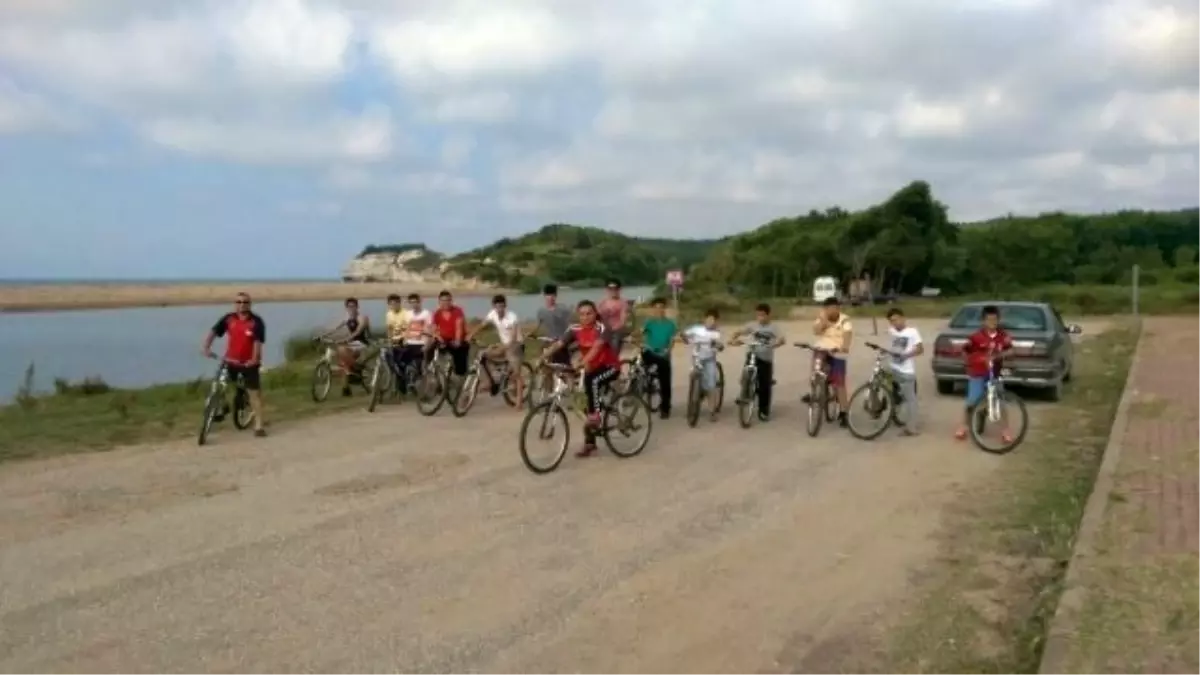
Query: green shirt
x=659, y=334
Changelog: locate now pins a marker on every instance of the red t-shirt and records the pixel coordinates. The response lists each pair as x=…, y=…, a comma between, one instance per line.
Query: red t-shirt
x=447, y=322
x=241, y=333
x=979, y=344
x=586, y=337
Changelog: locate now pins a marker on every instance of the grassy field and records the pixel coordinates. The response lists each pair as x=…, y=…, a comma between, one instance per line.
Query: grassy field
x=90, y=416
x=984, y=608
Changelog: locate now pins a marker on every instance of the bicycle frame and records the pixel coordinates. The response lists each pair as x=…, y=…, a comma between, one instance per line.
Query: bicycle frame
x=995, y=388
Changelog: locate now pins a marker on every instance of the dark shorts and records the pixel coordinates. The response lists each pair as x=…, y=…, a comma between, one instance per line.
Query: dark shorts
x=561, y=357
x=837, y=371
x=251, y=375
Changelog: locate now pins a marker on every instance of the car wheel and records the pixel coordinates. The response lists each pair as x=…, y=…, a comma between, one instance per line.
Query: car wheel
x=1055, y=392
x=1066, y=372
x=945, y=387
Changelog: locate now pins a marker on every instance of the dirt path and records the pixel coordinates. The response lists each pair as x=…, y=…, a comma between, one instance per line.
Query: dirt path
x=395, y=542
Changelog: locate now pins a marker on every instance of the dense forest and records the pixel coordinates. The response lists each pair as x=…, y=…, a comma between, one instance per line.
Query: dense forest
x=578, y=256
x=907, y=243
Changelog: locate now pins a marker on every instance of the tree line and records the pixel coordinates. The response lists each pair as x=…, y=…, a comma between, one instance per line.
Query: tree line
x=908, y=243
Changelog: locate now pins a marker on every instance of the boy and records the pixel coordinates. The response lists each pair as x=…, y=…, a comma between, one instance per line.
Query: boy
x=767, y=338
x=512, y=344
x=396, y=325
x=614, y=313
x=834, y=334
x=658, y=335
x=705, y=338
x=906, y=344
x=989, y=340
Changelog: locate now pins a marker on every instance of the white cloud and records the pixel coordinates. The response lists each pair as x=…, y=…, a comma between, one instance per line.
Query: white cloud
x=684, y=116
x=22, y=111
x=367, y=137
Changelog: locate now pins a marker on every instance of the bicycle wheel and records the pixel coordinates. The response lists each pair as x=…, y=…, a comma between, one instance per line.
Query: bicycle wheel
x=720, y=386
x=747, y=401
x=322, y=381
x=818, y=393
x=379, y=383
x=832, y=407
x=431, y=392
x=465, y=394
x=243, y=414
x=626, y=418
x=878, y=412
x=1012, y=411
x=549, y=421
x=509, y=386
x=693, y=400
x=211, y=405
x=365, y=367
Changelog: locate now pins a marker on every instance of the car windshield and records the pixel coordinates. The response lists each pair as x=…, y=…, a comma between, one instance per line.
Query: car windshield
x=1012, y=317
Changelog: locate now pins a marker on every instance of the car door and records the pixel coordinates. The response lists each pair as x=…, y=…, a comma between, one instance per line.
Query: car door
x=1062, y=339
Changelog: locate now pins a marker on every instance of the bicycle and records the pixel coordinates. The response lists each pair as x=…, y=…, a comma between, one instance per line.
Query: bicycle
x=387, y=376
x=696, y=391
x=618, y=413
x=330, y=362
x=642, y=380
x=748, y=398
x=499, y=377
x=882, y=394
x=215, y=407
x=995, y=408
x=433, y=384
x=822, y=398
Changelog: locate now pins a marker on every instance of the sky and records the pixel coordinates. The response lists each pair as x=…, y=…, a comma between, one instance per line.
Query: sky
x=275, y=138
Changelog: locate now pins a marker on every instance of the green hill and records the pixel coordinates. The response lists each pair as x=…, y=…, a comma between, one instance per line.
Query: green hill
x=908, y=242
x=579, y=256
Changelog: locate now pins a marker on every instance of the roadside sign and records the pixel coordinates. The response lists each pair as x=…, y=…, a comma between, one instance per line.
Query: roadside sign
x=675, y=278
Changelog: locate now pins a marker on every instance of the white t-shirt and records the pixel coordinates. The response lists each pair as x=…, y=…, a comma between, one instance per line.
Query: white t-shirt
x=418, y=323
x=508, y=327
x=703, y=340
x=904, y=342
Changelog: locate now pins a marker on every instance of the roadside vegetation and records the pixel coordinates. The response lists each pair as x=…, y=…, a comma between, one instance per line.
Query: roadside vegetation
x=1006, y=543
x=90, y=415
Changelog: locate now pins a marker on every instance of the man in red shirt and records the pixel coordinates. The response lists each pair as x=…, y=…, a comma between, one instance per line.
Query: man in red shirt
x=600, y=361
x=451, y=325
x=987, y=345
x=245, y=334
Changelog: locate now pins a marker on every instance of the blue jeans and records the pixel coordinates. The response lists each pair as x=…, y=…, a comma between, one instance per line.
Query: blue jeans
x=976, y=390
x=708, y=374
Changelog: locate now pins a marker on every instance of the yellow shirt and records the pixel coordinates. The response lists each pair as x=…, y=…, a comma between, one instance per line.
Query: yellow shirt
x=833, y=335
x=397, y=323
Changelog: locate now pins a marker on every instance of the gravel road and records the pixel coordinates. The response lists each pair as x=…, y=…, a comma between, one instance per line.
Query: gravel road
x=395, y=542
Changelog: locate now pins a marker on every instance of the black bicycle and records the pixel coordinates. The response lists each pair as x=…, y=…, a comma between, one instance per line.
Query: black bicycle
x=642, y=380
x=389, y=379
x=433, y=384
x=500, y=380
x=822, y=401
x=879, y=396
x=216, y=408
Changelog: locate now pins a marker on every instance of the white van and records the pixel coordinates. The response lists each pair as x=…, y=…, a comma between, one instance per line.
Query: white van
x=824, y=288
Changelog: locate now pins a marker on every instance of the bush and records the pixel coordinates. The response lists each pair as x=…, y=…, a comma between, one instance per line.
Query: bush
x=301, y=347
x=1188, y=275
x=88, y=386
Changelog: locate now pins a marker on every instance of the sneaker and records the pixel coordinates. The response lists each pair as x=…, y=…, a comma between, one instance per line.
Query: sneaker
x=586, y=450
x=260, y=433
x=842, y=421
x=346, y=391
x=907, y=432
x=495, y=389
x=763, y=416
x=1006, y=438
x=961, y=434
x=806, y=399
x=664, y=414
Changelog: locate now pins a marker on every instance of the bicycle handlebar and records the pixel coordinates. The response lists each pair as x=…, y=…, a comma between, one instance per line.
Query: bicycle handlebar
x=817, y=350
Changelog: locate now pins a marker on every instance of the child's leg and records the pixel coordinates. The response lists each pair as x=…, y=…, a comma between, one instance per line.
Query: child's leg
x=976, y=388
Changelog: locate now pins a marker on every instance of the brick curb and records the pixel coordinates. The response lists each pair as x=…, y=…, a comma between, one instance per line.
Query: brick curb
x=1065, y=622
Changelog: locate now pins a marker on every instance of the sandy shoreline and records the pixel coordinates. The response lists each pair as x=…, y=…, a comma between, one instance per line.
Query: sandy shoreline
x=61, y=297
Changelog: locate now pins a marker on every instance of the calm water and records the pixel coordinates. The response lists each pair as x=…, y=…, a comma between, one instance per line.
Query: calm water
x=143, y=346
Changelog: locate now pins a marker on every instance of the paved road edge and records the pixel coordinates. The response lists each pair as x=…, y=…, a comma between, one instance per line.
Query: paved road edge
x=1065, y=622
